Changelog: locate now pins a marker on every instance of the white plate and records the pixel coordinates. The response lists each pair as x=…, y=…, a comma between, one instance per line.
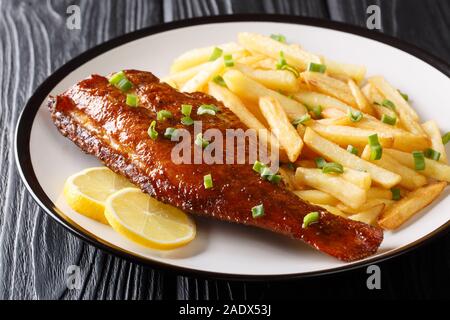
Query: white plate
x=46, y=159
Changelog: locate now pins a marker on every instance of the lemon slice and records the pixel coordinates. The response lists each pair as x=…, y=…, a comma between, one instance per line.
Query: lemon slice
x=148, y=222
x=87, y=191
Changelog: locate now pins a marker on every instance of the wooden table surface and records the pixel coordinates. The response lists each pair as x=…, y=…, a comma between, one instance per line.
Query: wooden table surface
x=35, y=251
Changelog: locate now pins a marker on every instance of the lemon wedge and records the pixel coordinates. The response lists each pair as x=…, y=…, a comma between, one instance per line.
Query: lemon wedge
x=148, y=222
x=87, y=191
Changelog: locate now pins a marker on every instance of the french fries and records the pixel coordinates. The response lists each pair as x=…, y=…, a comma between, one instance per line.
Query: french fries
x=410, y=179
x=433, y=169
x=333, y=152
x=301, y=110
x=281, y=127
x=249, y=89
x=402, y=210
x=432, y=130
x=338, y=187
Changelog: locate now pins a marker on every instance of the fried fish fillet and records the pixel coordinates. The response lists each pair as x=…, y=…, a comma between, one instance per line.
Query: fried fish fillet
x=95, y=116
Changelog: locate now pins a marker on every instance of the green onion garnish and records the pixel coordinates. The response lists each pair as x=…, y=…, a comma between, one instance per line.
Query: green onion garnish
x=404, y=95
x=419, y=160
x=388, y=104
x=304, y=118
x=333, y=167
x=283, y=65
x=228, y=60
x=199, y=141
x=354, y=115
x=352, y=149
x=446, y=138
x=376, y=151
x=278, y=37
x=320, y=162
x=317, y=67
x=274, y=178
x=163, y=115
x=132, y=100
x=124, y=85
x=186, y=110
x=265, y=172
x=432, y=154
x=388, y=119
x=290, y=68
x=207, y=109
x=258, y=166
x=316, y=111
x=258, y=211
x=281, y=61
x=395, y=194
x=187, y=121
x=151, y=130
x=207, y=181
x=115, y=78
x=217, y=52
x=220, y=81
x=310, y=218
x=170, y=133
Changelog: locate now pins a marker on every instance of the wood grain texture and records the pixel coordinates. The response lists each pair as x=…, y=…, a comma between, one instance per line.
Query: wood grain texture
x=35, y=251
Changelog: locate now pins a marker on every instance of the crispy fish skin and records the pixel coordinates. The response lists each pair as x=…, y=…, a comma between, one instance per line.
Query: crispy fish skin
x=94, y=115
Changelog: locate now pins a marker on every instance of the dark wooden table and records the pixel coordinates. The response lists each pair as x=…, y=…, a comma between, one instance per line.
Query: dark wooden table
x=35, y=251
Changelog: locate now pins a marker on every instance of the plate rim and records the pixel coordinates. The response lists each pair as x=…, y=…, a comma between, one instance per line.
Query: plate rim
x=26, y=119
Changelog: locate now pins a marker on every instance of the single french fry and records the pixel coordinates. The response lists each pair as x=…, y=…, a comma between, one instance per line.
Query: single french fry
x=333, y=113
x=344, y=135
x=402, y=210
x=205, y=75
x=317, y=197
x=432, y=130
x=369, y=204
x=333, y=152
x=181, y=77
x=281, y=127
x=369, y=216
x=310, y=98
x=294, y=55
x=249, y=89
x=273, y=79
x=330, y=86
x=379, y=193
x=360, y=99
x=337, y=186
x=198, y=56
x=433, y=169
x=410, y=179
x=358, y=178
x=345, y=70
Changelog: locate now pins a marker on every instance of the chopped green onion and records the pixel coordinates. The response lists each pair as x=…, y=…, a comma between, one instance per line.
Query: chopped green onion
x=281, y=61
x=320, y=162
x=278, y=37
x=170, y=133
x=376, y=151
x=352, y=149
x=220, y=81
x=274, y=178
x=333, y=167
x=186, y=110
x=395, y=194
x=132, y=100
x=419, y=160
x=317, y=67
x=446, y=138
x=316, y=111
x=151, y=130
x=388, y=119
x=207, y=181
x=304, y=118
x=258, y=166
x=266, y=172
x=115, y=78
x=124, y=85
x=207, y=109
x=432, y=154
x=388, y=104
x=217, y=52
x=199, y=141
x=292, y=69
x=228, y=60
x=310, y=218
x=354, y=115
x=404, y=95
x=163, y=115
x=187, y=121
x=258, y=211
